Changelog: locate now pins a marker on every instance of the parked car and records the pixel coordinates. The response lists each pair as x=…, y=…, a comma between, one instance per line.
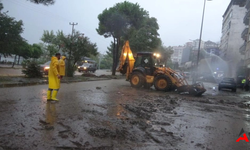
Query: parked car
x=87, y=67
x=228, y=83
x=45, y=68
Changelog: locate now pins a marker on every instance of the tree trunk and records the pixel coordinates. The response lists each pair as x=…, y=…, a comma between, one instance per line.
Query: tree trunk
x=18, y=59
x=117, y=50
x=14, y=62
x=114, y=60
x=70, y=67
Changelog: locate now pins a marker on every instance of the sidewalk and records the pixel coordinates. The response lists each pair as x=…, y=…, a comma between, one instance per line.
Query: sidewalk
x=6, y=70
x=16, y=81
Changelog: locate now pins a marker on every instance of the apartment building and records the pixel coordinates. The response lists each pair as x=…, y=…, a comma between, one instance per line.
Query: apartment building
x=212, y=48
x=245, y=48
x=177, y=55
x=231, y=41
x=196, y=44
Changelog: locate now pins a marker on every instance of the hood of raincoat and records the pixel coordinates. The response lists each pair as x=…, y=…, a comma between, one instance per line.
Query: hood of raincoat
x=63, y=57
x=53, y=58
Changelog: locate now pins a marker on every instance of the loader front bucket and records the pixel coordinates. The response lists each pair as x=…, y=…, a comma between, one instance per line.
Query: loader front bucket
x=196, y=89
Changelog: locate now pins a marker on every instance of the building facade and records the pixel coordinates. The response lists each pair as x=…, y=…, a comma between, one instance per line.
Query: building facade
x=212, y=48
x=196, y=44
x=245, y=48
x=177, y=55
x=231, y=41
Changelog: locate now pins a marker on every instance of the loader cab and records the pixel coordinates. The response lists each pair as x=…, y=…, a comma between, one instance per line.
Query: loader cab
x=148, y=61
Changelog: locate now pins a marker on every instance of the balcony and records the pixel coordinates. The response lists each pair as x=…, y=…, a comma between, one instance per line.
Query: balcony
x=243, y=49
x=246, y=18
x=244, y=33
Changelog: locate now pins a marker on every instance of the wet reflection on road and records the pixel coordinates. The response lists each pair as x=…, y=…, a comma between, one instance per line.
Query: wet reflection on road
x=51, y=113
x=116, y=116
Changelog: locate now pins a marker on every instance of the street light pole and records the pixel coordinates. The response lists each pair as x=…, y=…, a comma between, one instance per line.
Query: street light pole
x=199, y=48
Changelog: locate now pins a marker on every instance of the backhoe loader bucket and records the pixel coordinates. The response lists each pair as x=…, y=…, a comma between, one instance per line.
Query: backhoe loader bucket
x=196, y=89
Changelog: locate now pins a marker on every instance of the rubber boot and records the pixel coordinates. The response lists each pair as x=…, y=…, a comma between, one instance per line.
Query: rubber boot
x=49, y=95
x=54, y=93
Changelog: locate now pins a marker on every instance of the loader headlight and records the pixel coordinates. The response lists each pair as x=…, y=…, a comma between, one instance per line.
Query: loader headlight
x=157, y=55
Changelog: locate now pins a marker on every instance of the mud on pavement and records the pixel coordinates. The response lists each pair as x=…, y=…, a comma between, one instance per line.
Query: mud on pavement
x=108, y=116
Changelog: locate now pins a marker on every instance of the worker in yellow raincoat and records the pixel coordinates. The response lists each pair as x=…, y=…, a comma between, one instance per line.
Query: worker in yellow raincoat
x=62, y=66
x=54, y=78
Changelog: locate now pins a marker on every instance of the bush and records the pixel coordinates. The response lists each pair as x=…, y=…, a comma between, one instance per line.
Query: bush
x=32, y=70
x=25, y=63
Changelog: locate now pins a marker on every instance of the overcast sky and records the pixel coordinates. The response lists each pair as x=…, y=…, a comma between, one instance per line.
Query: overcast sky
x=179, y=20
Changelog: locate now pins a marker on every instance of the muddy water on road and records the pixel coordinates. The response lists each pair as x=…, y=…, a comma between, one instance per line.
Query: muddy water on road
x=112, y=115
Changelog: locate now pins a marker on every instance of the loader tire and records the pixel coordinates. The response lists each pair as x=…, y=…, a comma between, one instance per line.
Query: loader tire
x=162, y=83
x=137, y=80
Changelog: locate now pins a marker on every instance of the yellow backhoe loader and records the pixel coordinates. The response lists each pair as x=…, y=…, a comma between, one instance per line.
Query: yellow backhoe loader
x=146, y=70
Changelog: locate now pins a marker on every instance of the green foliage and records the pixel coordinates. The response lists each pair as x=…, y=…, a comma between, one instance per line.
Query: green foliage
x=53, y=42
x=48, y=37
x=106, y=62
x=25, y=63
x=146, y=38
x=10, y=33
x=36, y=51
x=32, y=70
x=76, y=47
x=128, y=21
x=24, y=50
x=166, y=53
x=44, y=2
x=119, y=19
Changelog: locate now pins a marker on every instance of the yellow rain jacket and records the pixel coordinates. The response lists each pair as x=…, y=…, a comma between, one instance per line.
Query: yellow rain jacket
x=54, y=82
x=62, y=66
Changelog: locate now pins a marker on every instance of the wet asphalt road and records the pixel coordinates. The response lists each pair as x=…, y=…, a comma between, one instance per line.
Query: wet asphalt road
x=112, y=115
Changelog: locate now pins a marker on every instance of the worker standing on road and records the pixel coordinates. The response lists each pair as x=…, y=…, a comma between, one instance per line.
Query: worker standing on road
x=54, y=78
x=62, y=66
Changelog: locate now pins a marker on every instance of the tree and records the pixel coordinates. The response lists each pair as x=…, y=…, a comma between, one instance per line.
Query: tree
x=48, y=37
x=120, y=22
x=166, y=53
x=52, y=41
x=44, y=2
x=76, y=47
x=36, y=51
x=146, y=38
x=10, y=33
x=22, y=48
x=106, y=62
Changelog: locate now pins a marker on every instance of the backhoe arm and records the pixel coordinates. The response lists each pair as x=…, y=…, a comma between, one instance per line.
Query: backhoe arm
x=126, y=59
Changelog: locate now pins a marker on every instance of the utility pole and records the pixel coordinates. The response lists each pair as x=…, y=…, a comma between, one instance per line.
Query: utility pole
x=70, y=51
x=73, y=24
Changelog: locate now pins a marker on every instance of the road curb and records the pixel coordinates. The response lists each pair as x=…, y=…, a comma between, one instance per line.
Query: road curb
x=18, y=84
